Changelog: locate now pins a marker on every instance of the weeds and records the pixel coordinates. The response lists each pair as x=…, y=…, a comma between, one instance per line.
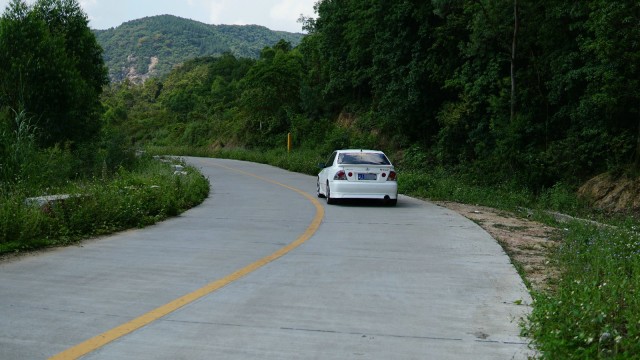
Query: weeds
x=594, y=311
x=440, y=184
x=302, y=161
x=132, y=198
x=17, y=146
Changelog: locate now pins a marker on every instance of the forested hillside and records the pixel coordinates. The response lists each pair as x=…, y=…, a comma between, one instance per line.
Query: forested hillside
x=152, y=46
x=525, y=93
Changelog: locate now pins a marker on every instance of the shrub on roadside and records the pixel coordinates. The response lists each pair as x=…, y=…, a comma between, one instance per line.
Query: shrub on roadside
x=441, y=184
x=133, y=198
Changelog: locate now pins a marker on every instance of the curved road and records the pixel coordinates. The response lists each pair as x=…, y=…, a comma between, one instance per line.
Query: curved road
x=262, y=269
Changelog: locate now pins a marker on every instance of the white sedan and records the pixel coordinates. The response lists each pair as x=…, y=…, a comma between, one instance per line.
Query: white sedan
x=358, y=174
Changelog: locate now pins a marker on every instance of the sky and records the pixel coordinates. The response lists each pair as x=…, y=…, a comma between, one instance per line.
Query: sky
x=273, y=14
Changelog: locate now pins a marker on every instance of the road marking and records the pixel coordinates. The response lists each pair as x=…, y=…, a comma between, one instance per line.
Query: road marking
x=103, y=339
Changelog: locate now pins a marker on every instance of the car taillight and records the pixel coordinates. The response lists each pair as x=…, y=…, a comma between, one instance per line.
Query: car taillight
x=340, y=175
x=392, y=176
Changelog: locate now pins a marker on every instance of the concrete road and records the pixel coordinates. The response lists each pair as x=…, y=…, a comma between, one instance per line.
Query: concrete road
x=366, y=282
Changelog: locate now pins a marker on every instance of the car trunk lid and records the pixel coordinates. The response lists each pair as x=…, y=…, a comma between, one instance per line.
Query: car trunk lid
x=367, y=173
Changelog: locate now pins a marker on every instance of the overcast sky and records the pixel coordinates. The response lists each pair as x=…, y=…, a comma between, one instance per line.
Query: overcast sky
x=274, y=14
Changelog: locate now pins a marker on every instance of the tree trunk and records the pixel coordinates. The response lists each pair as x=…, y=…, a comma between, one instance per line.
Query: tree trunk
x=514, y=41
x=636, y=163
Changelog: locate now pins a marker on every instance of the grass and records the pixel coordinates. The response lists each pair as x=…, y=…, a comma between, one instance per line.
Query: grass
x=439, y=184
x=302, y=161
x=131, y=198
x=593, y=309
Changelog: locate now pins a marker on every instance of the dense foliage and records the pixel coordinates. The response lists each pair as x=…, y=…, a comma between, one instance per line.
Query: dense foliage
x=53, y=140
x=51, y=79
x=523, y=93
x=446, y=75
x=129, y=48
x=52, y=70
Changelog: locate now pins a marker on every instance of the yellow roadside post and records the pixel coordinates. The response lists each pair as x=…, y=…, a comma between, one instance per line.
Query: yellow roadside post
x=289, y=142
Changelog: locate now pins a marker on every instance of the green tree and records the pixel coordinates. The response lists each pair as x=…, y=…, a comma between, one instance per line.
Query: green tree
x=52, y=69
x=611, y=47
x=271, y=94
x=381, y=58
x=409, y=68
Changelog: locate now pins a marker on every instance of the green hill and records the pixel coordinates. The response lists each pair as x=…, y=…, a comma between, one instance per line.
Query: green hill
x=154, y=45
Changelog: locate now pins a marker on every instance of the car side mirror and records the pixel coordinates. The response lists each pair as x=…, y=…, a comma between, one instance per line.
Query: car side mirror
x=321, y=166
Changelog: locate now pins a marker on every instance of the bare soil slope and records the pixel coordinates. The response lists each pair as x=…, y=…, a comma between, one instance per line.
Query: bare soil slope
x=611, y=193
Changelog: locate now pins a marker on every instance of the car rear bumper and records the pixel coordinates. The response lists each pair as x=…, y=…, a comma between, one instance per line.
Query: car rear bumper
x=364, y=190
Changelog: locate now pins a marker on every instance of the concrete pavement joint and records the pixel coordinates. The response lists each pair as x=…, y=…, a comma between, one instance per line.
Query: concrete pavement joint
x=373, y=335
x=285, y=328
x=19, y=306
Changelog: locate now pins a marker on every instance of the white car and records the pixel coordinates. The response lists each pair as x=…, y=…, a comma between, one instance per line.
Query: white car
x=358, y=174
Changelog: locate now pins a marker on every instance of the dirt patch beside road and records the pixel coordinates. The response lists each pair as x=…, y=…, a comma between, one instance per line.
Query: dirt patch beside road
x=527, y=242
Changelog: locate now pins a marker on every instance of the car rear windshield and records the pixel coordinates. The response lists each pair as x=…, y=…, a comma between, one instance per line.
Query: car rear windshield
x=363, y=158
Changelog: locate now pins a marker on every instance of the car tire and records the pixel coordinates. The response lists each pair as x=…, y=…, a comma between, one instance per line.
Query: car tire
x=330, y=201
x=320, y=195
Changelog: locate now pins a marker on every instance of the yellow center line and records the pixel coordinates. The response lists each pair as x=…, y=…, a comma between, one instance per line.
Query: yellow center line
x=103, y=339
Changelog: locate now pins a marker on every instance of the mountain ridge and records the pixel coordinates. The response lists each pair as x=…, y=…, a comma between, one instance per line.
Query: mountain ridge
x=152, y=46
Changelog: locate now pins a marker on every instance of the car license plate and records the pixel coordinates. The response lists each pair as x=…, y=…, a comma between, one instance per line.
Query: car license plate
x=367, y=177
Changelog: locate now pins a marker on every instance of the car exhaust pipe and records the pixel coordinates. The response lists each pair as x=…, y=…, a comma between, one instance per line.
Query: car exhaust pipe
x=387, y=198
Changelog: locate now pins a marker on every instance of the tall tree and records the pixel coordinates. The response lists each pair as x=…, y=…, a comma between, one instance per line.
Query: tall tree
x=271, y=94
x=52, y=69
x=514, y=43
x=611, y=45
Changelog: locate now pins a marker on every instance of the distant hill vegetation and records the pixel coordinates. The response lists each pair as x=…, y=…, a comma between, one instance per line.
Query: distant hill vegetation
x=152, y=46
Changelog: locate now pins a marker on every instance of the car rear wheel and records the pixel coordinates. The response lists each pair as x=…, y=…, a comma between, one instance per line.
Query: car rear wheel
x=329, y=199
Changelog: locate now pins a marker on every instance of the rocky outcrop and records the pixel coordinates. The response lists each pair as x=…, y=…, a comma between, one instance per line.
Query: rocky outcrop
x=609, y=193
x=132, y=74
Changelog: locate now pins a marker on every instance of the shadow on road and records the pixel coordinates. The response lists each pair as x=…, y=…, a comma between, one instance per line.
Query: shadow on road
x=356, y=203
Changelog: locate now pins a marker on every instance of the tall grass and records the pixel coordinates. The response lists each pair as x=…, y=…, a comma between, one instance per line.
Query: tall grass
x=17, y=146
x=131, y=198
x=594, y=312
x=303, y=161
x=440, y=184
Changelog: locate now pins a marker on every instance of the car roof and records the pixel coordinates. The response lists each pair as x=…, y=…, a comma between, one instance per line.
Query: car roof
x=360, y=150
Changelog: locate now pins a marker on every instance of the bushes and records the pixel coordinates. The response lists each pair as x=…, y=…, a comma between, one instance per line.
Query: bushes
x=53, y=140
x=302, y=161
x=133, y=198
x=442, y=184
